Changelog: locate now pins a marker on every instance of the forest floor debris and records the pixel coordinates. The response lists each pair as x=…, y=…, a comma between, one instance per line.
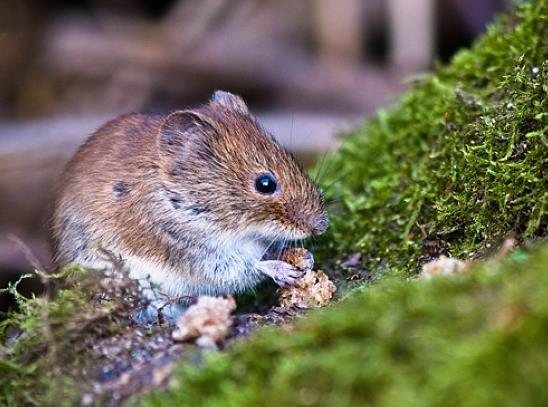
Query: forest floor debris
x=207, y=322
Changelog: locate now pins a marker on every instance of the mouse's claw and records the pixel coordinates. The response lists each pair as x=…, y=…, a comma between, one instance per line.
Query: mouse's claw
x=281, y=272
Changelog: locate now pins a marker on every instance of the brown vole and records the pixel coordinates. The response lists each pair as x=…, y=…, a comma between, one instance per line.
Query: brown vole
x=190, y=200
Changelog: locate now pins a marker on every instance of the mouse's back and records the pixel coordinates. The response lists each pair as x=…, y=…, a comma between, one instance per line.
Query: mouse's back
x=100, y=184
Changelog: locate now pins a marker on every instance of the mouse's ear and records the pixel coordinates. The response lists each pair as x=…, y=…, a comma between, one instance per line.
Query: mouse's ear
x=230, y=100
x=184, y=135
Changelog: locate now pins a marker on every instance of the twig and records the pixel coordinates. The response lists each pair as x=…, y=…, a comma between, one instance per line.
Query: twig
x=40, y=270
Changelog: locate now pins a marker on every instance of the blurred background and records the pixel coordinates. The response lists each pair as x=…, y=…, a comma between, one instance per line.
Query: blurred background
x=309, y=69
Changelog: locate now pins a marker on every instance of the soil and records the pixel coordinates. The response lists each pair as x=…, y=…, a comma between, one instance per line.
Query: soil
x=142, y=357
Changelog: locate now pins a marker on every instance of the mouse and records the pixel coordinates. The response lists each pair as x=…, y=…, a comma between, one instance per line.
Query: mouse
x=192, y=201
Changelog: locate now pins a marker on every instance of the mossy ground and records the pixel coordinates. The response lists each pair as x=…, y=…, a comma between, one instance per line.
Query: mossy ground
x=455, y=167
x=51, y=346
x=476, y=339
x=458, y=164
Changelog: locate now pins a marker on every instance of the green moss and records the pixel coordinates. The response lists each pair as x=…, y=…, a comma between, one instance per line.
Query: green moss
x=34, y=354
x=458, y=164
x=455, y=167
x=468, y=340
x=46, y=345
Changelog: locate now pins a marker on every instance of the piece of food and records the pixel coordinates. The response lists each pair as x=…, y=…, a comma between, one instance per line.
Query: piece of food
x=443, y=266
x=312, y=291
x=207, y=321
x=299, y=258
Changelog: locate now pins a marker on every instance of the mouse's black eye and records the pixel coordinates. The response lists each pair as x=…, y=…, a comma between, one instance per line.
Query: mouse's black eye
x=266, y=184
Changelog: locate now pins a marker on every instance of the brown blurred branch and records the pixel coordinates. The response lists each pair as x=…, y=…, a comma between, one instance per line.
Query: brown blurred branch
x=190, y=59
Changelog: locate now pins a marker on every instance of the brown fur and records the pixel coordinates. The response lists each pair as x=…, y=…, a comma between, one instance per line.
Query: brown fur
x=161, y=186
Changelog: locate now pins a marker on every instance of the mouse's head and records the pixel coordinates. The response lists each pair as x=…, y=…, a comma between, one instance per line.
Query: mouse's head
x=226, y=173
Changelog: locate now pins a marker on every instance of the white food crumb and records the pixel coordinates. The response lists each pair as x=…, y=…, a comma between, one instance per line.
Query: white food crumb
x=207, y=321
x=443, y=266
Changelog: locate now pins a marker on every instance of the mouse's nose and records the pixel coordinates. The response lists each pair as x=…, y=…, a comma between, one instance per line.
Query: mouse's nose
x=320, y=226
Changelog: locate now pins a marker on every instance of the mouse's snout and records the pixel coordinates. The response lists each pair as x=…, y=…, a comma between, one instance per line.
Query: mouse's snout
x=306, y=221
x=320, y=225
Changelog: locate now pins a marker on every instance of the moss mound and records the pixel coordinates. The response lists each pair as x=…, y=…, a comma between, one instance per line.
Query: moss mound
x=468, y=340
x=47, y=346
x=36, y=339
x=458, y=164
x=455, y=167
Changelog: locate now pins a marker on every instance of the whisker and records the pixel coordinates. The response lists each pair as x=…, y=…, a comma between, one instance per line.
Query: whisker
x=265, y=251
x=335, y=181
x=317, y=175
x=312, y=243
x=280, y=251
x=332, y=202
x=291, y=131
x=344, y=139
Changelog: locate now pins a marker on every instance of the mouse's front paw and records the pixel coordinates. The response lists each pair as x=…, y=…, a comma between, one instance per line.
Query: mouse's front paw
x=281, y=272
x=300, y=258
